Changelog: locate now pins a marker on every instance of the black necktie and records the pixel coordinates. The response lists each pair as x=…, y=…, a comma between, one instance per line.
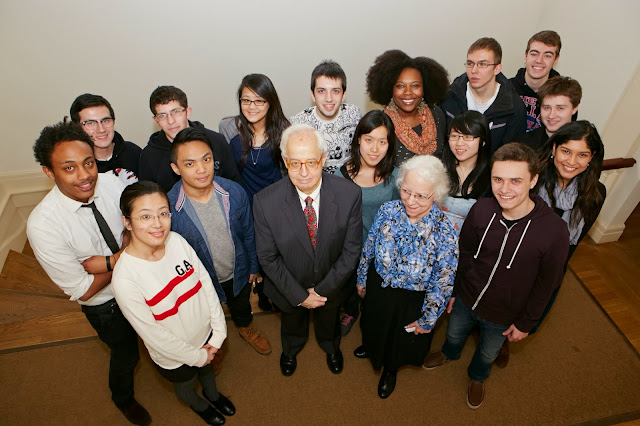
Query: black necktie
x=104, y=228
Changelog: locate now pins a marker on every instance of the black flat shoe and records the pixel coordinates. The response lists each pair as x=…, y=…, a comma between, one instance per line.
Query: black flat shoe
x=222, y=404
x=361, y=352
x=387, y=383
x=335, y=362
x=288, y=364
x=211, y=416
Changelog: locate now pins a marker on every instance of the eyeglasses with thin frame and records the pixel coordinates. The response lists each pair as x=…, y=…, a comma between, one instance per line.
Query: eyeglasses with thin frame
x=456, y=138
x=257, y=102
x=481, y=65
x=106, y=122
x=420, y=198
x=174, y=113
x=296, y=165
x=148, y=219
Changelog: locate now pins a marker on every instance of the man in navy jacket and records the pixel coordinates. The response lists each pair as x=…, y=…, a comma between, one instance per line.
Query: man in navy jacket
x=214, y=216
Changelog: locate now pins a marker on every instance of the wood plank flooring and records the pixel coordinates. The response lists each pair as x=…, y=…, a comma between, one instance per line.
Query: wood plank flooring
x=611, y=272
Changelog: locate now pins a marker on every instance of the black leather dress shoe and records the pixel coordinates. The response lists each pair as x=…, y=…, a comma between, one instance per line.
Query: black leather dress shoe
x=335, y=362
x=222, y=404
x=288, y=364
x=361, y=352
x=135, y=413
x=387, y=383
x=211, y=416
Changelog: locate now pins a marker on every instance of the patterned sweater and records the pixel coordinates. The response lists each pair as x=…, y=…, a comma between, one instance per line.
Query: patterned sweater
x=338, y=132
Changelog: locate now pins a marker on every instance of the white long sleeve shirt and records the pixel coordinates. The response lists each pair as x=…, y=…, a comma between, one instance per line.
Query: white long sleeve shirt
x=171, y=303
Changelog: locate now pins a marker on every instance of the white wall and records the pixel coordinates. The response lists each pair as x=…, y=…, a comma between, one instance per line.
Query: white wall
x=53, y=51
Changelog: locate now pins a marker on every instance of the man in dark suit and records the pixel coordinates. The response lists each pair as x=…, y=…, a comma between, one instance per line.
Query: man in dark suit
x=308, y=237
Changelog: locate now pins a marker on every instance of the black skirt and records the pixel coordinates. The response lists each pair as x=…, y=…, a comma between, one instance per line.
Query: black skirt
x=385, y=313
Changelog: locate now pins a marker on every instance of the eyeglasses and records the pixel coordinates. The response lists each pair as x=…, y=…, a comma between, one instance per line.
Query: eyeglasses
x=174, y=113
x=148, y=219
x=420, y=198
x=456, y=138
x=481, y=65
x=257, y=102
x=107, y=123
x=295, y=165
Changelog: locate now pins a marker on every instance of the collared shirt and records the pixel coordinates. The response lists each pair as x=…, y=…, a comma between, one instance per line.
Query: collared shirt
x=63, y=234
x=315, y=195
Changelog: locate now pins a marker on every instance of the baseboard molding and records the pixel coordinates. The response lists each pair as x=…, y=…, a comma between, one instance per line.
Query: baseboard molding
x=601, y=233
x=19, y=194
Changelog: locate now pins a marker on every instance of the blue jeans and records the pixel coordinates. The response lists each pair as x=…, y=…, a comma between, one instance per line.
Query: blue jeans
x=114, y=330
x=461, y=321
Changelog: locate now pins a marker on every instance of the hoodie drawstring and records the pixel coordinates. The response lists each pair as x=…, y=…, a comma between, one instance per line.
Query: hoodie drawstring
x=519, y=242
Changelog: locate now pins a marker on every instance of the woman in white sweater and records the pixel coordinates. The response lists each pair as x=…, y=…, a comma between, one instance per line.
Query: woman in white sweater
x=166, y=294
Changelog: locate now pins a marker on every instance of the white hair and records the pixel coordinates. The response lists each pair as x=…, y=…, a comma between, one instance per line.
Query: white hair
x=302, y=128
x=430, y=169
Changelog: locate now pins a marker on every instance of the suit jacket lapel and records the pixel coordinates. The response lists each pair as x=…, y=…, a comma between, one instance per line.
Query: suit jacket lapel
x=326, y=223
x=295, y=216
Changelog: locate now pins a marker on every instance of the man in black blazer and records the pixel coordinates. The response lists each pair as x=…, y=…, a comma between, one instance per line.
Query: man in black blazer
x=308, y=257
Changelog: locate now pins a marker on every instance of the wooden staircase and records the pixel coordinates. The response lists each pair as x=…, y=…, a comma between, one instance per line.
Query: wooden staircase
x=33, y=310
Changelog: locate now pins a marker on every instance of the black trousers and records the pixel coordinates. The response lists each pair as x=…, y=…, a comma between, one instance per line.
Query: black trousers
x=294, y=329
x=239, y=306
x=114, y=330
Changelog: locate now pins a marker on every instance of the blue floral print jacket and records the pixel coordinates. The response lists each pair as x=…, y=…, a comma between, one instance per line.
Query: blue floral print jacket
x=418, y=257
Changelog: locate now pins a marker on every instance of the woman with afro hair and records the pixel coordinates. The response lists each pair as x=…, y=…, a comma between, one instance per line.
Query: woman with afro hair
x=411, y=88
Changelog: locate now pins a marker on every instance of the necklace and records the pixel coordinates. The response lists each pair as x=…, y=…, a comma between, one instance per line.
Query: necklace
x=255, y=161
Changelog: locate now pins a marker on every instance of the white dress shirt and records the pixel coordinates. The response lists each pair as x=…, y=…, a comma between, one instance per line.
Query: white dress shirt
x=315, y=195
x=63, y=234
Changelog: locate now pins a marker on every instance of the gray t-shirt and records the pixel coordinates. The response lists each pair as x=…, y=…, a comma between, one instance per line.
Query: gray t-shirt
x=215, y=226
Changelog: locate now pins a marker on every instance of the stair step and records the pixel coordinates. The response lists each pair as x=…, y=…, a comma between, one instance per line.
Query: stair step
x=27, y=250
x=46, y=329
x=24, y=273
x=18, y=306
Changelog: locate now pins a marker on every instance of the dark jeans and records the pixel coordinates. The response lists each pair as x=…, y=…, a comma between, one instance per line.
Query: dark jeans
x=461, y=321
x=239, y=306
x=114, y=330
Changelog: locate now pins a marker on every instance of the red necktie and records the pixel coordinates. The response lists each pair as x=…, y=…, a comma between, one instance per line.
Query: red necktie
x=312, y=221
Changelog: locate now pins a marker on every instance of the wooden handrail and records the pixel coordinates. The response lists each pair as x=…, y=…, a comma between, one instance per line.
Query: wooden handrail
x=618, y=163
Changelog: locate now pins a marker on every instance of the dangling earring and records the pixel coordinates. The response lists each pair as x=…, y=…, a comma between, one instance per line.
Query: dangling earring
x=421, y=105
x=588, y=164
x=552, y=156
x=391, y=103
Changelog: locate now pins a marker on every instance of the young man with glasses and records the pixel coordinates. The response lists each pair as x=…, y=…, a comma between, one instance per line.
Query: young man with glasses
x=336, y=120
x=485, y=89
x=77, y=235
x=171, y=112
x=113, y=154
x=308, y=236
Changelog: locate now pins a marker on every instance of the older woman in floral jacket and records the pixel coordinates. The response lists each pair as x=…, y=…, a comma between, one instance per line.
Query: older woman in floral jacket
x=414, y=248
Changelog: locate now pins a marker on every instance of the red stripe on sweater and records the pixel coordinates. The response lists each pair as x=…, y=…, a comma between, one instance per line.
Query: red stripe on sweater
x=179, y=302
x=168, y=288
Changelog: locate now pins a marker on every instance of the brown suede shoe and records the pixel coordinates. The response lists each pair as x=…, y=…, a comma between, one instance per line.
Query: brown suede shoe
x=433, y=360
x=253, y=337
x=503, y=355
x=475, y=394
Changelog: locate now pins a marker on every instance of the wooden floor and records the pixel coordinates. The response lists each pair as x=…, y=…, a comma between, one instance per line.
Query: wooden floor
x=611, y=272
